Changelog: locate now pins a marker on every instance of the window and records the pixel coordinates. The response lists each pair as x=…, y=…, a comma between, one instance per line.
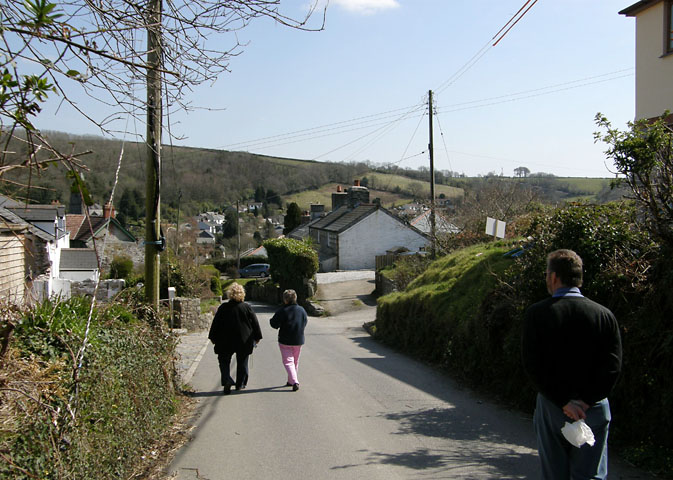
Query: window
x=668, y=6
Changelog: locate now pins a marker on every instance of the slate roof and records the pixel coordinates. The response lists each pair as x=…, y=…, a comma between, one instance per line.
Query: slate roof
x=78, y=259
x=8, y=202
x=343, y=218
x=301, y=232
x=7, y=217
x=638, y=6
x=39, y=213
x=423, y=223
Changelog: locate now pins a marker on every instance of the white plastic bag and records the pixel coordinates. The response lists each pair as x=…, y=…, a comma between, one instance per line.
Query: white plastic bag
x=578, y=433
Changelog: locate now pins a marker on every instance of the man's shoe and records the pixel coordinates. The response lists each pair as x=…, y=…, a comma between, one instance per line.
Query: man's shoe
x=226, y=390
x=295, y=387
x=242, y=387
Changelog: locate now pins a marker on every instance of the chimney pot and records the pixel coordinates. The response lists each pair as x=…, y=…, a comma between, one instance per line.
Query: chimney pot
x=339, y=189
x=108, y=211
x=356, y=183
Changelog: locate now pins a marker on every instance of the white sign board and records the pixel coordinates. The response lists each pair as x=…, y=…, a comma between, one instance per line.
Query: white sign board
x=171, y=293
x=495, y=228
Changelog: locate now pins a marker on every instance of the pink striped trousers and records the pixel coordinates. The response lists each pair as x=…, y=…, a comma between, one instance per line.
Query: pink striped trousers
x=290, y=355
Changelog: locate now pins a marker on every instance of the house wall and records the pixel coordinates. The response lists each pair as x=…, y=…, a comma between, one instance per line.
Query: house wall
x=12, y=267
x=359, y=245
x=79, y=275
x=654, y=87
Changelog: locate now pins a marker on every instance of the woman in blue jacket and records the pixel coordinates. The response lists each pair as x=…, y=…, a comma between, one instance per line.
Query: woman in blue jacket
x=290, y=321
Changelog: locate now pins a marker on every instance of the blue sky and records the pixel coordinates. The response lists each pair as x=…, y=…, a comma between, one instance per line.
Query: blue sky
x=357, y=90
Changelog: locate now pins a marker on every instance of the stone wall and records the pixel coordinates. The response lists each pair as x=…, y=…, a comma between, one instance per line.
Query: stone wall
x=263, y=291
x=187, y=315
x=106, y=290
x=384, y=285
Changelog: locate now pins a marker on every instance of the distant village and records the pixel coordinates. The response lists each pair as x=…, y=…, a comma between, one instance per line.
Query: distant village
x=49, y=250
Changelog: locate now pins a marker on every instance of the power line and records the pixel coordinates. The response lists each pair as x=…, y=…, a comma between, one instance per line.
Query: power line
x=513, y=97
x=318, y=129
x=477, y=56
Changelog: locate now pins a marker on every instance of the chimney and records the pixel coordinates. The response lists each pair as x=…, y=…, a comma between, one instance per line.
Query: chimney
x=356, y=183
x=357, y=195
x=317, y=210
x=108, y=211
x=339, y=199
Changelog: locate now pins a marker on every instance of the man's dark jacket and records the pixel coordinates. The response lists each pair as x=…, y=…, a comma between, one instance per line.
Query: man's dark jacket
x=291, y=321
x=235, y=328
x=571, y=349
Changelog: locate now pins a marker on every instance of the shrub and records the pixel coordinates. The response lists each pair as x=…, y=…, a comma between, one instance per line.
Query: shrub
x=292, y=263
x=88, y=422
x=121, y=267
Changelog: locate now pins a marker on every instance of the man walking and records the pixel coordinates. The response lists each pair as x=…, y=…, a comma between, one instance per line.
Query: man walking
x=572, y=352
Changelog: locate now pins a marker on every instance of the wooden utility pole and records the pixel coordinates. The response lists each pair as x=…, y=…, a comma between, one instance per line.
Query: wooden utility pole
x=153, y=161
x=238, y=239
x=433, y=231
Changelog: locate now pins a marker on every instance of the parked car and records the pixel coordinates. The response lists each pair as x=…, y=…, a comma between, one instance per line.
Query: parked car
x=255, y=270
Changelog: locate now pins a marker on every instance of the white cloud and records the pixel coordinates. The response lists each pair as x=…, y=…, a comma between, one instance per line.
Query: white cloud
x=366, y=6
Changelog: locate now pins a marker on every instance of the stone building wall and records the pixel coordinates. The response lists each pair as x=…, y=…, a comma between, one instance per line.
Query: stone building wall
x=187, y=314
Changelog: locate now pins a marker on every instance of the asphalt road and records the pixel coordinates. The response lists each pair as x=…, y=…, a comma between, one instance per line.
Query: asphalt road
x=363, y=411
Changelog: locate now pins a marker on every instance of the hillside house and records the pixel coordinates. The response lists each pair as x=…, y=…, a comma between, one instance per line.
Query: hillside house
x=79, y=264
x=12, y=260
x=355, y=232
x=423, y=222
x=654, y=57
x=85, y=233
x=205, y=237
x=43, y=235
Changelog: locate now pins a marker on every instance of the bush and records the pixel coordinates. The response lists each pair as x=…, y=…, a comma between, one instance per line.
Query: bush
x=88, y=422
x=292, y=263
x=465, y=314
x=121, y=267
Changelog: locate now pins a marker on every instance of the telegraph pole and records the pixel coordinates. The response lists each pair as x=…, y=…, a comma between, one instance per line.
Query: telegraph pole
x=433, y=231
x=153, y=241
x=238, y=239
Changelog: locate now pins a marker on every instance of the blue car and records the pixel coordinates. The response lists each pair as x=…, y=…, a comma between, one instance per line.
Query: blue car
x=255, y=270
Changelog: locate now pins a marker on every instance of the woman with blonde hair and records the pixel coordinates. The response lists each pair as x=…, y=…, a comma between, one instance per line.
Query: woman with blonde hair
x=235, y=329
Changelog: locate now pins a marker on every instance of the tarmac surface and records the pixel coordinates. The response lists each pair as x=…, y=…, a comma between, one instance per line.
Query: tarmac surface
x=193, y=345
x=458, y=453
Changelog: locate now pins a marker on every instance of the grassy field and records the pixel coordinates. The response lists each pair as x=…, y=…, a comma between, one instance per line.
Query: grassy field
x=386, y=181
x=324, y=196
x=381, y=186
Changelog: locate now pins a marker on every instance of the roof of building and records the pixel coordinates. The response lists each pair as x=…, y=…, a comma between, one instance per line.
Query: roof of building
x=423, y=223
x=8, y=202
x=78, y=259
x=39, y=213
x=301, y=232
x=344, y=218
x=257, y=252
x=85, y=232
x=206, y=234
x=638, y=7
x=8, y=218
x=73, y=222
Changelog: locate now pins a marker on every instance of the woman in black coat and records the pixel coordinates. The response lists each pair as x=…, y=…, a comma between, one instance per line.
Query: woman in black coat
x=235, y=329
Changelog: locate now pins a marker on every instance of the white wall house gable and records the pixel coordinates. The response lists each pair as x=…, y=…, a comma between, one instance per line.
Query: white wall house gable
x=373, y=235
